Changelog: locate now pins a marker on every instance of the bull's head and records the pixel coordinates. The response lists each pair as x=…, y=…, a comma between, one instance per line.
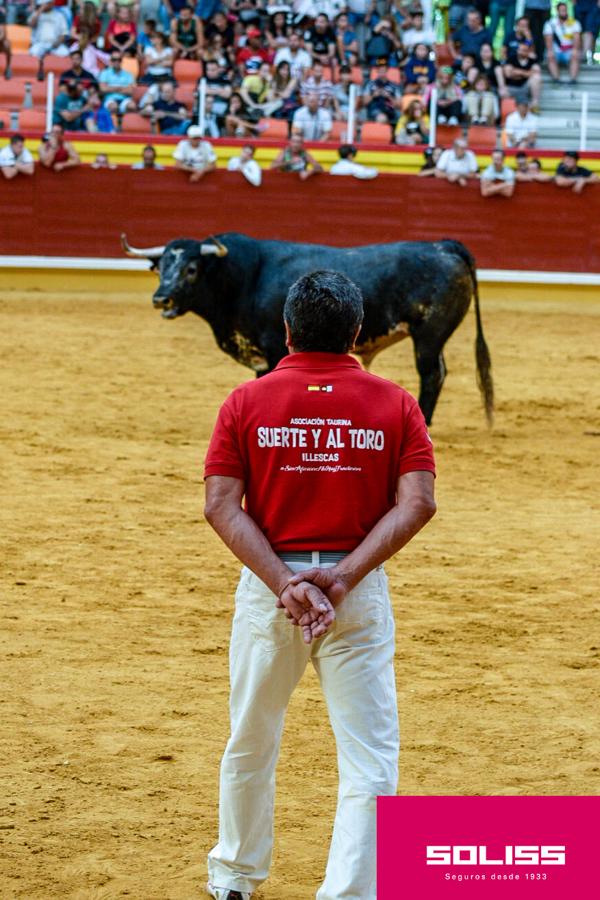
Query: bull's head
x=179, y=265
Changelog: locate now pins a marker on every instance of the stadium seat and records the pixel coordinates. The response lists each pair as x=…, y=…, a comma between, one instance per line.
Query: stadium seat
x=274, y=129
x=407, y=99
x=357, y=75
x=484, y=137
x=185, y=95
x=24, y=66
x=134, y=123
x=5, y=119
x=329, y=74
x=32, y=120
x=187, y=71
x=445, y=135
x=338, y=132
x=138, y=91
x=20, y=37
x=57, y=64
x=12, y=93
x=129, y=64
x=508, y=105
x=442, y=55
x=376, y=133
x=392, y=74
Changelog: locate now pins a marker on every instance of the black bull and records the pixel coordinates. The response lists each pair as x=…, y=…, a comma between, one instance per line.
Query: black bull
x=239, y=285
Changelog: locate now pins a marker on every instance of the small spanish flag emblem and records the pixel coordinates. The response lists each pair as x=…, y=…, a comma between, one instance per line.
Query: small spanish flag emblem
x=327, y=388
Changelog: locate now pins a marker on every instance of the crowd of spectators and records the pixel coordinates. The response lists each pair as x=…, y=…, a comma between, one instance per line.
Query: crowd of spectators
x=296, y=61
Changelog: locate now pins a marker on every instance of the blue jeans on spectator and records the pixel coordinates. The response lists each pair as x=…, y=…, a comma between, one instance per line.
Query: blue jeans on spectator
x=502, y=9
x=457, y=16
x=178, y=129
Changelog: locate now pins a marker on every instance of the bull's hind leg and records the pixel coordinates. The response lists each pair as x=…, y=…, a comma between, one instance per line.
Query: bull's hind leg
x=432, y=372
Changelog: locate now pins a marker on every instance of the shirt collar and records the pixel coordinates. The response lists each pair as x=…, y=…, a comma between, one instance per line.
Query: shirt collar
x=313, y=360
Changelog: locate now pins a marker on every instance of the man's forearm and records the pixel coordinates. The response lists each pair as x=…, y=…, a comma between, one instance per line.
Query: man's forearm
x=246, y=541
x=388, y=536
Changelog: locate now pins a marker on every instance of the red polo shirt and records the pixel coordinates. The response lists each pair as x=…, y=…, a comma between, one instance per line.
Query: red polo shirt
x=319, y=444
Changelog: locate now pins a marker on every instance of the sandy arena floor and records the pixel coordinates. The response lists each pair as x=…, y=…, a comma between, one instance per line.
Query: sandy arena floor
x=117, y=597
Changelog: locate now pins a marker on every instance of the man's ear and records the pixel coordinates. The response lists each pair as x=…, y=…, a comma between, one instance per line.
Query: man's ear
x=288, y=336
x=353, y=347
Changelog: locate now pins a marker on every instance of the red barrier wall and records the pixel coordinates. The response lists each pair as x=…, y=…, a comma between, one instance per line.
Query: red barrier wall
x=81, y=212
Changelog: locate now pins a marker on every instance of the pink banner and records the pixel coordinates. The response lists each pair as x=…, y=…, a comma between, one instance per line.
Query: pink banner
x=503, y=847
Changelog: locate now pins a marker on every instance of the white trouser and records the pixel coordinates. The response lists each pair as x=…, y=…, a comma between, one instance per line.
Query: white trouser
x=354, y=663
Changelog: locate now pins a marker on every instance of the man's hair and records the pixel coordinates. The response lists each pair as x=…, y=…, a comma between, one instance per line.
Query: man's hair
x=346, y=151
x=573, y=154
x=17, y=139
x=323, y=310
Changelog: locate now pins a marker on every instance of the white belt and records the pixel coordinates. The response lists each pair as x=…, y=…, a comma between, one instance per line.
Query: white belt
x=313, y=557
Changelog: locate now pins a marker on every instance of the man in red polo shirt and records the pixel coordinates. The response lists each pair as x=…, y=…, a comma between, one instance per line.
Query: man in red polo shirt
x=337, y=472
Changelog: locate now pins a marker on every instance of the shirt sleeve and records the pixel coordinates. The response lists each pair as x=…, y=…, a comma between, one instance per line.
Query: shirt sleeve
x=416, y=452
x=224, y=456
x=180, y=152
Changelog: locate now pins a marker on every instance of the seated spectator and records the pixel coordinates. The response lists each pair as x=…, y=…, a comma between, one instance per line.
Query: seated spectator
x=413, y=126
x=171, y=116
x=214, y=51
x=384, y=43
x=294, y=158
x=93, y=60
x=277, y=32
x=299, y=59
x=218, y=86
x=419, y=70
x=345, y=39
x=15, y=158
x=256, y=91
x=346, y=165
x=252, y=49
x=319, y=40
x=57, y=154
x=121, y=33
x=523, y=77
x=220, y=24
x=77, y=73
x=521, y=35
x=157, y=60
x=102, y=162
x=312, y=122
x=5, y=48
x=96, y=118
x=341, y=94
x=431, y=157
x=212, y=122
x=286, y=89
x=529, y=170
x=521, y=126
x=562, y=35
x=470, y=37
x=48, y=32
x=87, y=18
x=457, y=164
x=381, y=96
x=116, y=86
x=316, y=83
x=148, y=160
x=498, y=178
x=70, y=106
x=144, y=37
x=449, y=99
x=488, y=65
x=247, y=165
x=238, y=120
x=570, y=174
x=465, y=72
x=481, y=103
x=417, y=33
x=187, y=34
x=194, y=155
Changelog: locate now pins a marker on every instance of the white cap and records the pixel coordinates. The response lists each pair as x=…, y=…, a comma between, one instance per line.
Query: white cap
x=194, y=131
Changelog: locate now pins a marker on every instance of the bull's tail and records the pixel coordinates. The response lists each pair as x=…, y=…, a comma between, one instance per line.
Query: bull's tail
x=482, y=353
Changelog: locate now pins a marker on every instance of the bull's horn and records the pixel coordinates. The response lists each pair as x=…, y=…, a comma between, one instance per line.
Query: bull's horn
x=141, y=252
x=216, y=249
